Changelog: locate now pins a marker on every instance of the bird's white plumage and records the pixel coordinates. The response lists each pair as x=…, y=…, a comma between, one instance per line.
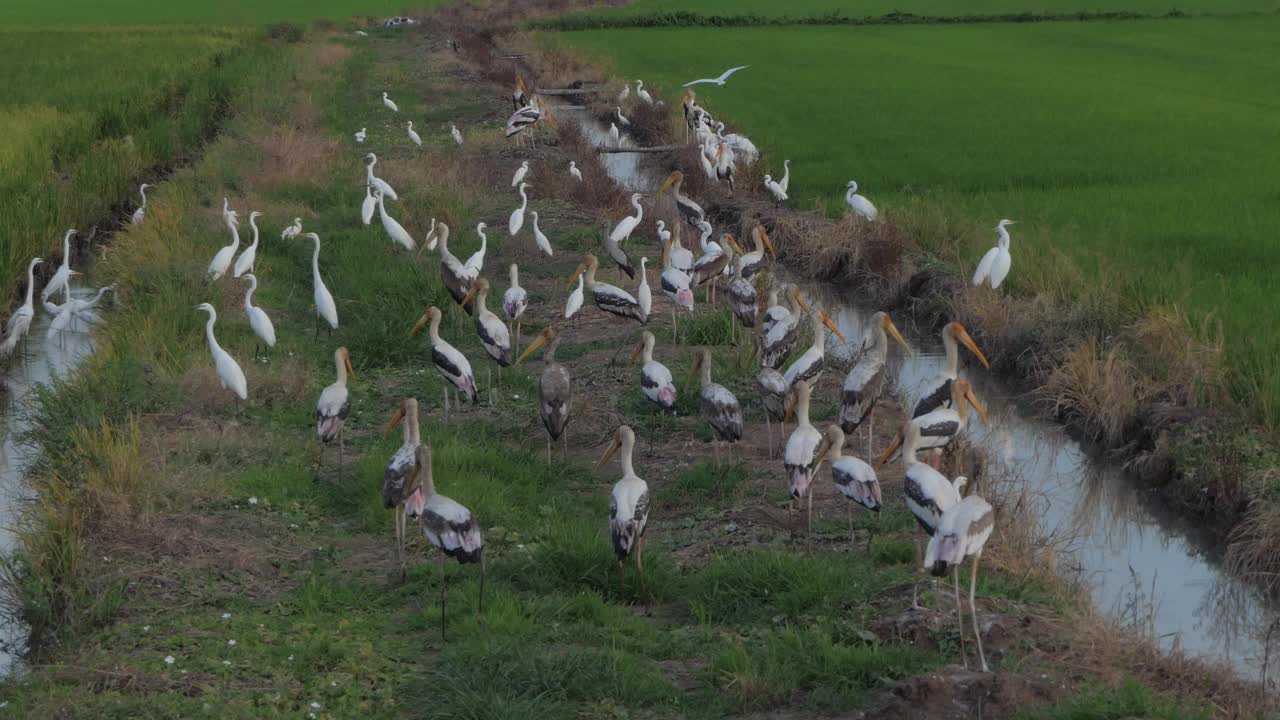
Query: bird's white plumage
x=20, y=321
x=475, y=263
x=785, y=181
x=574, y=171
x=644, y=295
x=389, y=103
x=517, y=216
x=379, y=185
x=642, y=93
x=574, y=303
x=615, y=135
x=229, y=373
x=292, y=231
x=395, y=231
x=258, y=319
x=141, y=211
x=540, y=238
x=413, y=135
x=515, y=300
x=626, y=225
x=369, y=205
x=244, y=263
x=326, y=308
x=774, y=188
x=360, y=136
x=724, y=76
x=456, y=134
x=860, y=204
x=520, y=173
x=221, y=262
x=995, y=265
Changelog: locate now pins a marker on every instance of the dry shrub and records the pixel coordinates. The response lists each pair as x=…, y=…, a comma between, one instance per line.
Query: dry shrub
x=1097, y=390
x=291, y=155
x=327, y=55
x=1188, y=365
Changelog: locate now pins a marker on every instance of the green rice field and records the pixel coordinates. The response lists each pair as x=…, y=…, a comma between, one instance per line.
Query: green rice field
x=1137, y=148
x=115, y=12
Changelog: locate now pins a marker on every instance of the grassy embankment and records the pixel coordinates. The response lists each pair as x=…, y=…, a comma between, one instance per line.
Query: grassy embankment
x=1140, y=261
x=172, y=524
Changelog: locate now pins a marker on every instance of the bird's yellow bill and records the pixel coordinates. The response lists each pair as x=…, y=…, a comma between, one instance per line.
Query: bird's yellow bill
x=823, y=449
x=671, y=180
x=768, y=244
x=346, y=360
x=613, y=448
x=732, y=242
x=395, y=420
x=831, y=324
x=426, y=318
x=791, y=406
x=639, y=349
x=897, y=443
x=795, y=293
x=537, y=343
x=574, y=277
x=973, y=400
x=470, y=294
x=963, y=336
x=893, y=331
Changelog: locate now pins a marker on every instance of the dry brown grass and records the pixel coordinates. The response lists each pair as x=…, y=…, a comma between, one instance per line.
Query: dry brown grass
x=293, y=155
x=1096, y=389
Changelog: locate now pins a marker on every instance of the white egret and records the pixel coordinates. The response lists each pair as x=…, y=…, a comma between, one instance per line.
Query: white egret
x=615, y=135
x=378, y=183
x=326, y=309
x=221, y=262
x=625, y=92
x=61, y=280
x=20, y=321
x=229, y=373
x=258, y=319
x=414, y=136
x=860, y=204
x=543, y=243
x=622, y=119
x=642, y=93
x=626, y=225
x=369, y=205
x=457, y=135
x=395, y=230
x=643, y=295
x=520, y=173
x=574, y=303
x=475, y=263
x=360, y=136
x=389, y=103
x=292, y=231
x=663, y=233
x=774, y=188
x=690, y=211
x=517, y=216
x=995, y=265
x=724, y=77
x=244, y=263
x=785, y=181
x=141, y=212
x=574, y=171
x=74, y=309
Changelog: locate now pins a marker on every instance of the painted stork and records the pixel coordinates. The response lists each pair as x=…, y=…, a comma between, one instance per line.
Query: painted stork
x=456, y=277
x=690, y=211
x=230, y=376
x=860, y=204
x=398, y=479
x=492, y=331
x=809, y=365
x=628, y=505
x=675, y=285
x=555, y=392
x=258, y=318
x=742, y=297
x=540, y=238
x=853, y=477
x=754, y=261
x=865, y=382
x=475, y=264
x=610, y=299
x=451, y=364
x=20, y=321
x=781, y=329
x=446, y=524
x=939, y=427
x=326, y=309
x=724, y=163
x=619, y=256
x=801, y=455
x=962, y=533
x=773, y=390
x=335, y=405
x=937, y=394
x=928, y=493
x=519, y=96
x=708, y=268
x=514, y=302
x=995, y=265
x=655, y=379
x=719, y=406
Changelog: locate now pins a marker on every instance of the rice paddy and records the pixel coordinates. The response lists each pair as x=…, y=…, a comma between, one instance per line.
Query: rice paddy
x=1132, y=147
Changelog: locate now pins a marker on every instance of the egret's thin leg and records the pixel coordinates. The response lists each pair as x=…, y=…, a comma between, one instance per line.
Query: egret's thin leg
x=955, y=576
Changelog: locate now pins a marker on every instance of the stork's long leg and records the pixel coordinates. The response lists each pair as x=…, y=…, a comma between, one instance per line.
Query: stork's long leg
x=480, y=611
x=809, y=513
x=977, y=634
x=955, y=576
x=915, y=584
x=848, y=510
x=444, y=594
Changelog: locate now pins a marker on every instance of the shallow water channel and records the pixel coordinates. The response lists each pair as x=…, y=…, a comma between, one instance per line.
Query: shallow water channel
x=1142, y=563
x=37, y=361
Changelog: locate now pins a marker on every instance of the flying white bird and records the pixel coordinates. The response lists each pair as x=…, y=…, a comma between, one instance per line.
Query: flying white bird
x=718, y=80
x=229, y=373
x=141, y=212
x=520, y=173
x=390, y=103
x=860, y=204
x=574, y=171
x=244, y=263
x=414, y=136
x=258, y=319
x=360, y=136
x=995, y=264
x=457, y=135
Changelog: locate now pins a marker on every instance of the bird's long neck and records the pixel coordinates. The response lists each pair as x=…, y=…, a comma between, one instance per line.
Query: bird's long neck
x=31, y=280
x=802, y=409
x=635, y=203
x=143, y=190
x=952, y=352
x=248, y=294
x=644, y=270
x=434, y=329
x=415, y=436
x=484, y=241
x=97, y=298
x=315, y=259
x=837, y=442
x=253, y=223
x=647, y=353
x=235, y=234
x=208, y=331
x=425, y=478
x=515, y=276
x=590, y=274
x=706, y=370
x=910, y=441
x=524, y=199
x=482, y=296
x=819, y=337
x=341, y=366
x=66, y=248
x=1004, y=236
x=628, y=445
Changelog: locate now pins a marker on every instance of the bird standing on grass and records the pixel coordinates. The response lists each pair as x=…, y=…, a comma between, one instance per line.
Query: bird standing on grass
x=446, y=524
x=221, y=262
x=609, y=298
x=520, y=173
x=655, y=379
x=230, y=375
x=517, y=216
x=379, y=185
x=475, y=263
x=644, y=295
x=628, y=506
x=141, y=212
x=962, y=532
x=335, y=405
x=995, y=265
x=398, y=479
x=452, y=365
x=555, y=392
x=395, y=231
x=360, y=136
x=860, y=204
x=292, y=231
x=489, y=327
x=853, y=477
x=389, y=103
x=457, y=134
x=258, y=319
x=326, y=309
x=539, y=237
x=456, y=276
x=800, y=458
x=369, y=205
x=719, y=406
x=514, y=302
x=20, y=321
x=244, y=263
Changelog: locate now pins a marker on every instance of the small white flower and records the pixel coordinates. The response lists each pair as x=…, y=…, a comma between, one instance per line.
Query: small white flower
x=168, y=660
x=253, y=501
x=232, y=643
x=226, y=616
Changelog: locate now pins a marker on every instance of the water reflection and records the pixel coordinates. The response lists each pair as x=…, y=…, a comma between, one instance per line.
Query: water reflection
x=38, y=360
